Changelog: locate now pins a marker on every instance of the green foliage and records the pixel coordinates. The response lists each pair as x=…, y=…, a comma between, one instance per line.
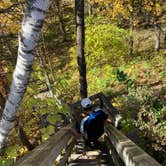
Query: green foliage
x=109, y=69
x=6, y=162
x=122, y=77
x=128, y=125
x=144, y=111
x=105, y=44
x=38, y=73
x=104, y=48
x=47, y=132
x=12, y=151
x=99, y=79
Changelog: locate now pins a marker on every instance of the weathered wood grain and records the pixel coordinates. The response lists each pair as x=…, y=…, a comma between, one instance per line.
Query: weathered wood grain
x=46, y=153
x=129, y=152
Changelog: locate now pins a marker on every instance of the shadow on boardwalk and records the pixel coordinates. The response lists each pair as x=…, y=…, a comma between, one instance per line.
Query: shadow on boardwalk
x=82, y=156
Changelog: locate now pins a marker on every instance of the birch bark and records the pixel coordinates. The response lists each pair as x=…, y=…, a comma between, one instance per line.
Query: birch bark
x=28, y=37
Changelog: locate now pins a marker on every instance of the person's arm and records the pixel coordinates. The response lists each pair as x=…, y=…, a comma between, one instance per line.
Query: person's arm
x=82, y=124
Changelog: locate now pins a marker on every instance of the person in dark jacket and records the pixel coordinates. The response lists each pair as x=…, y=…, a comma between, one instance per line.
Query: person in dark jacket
x=92, y=126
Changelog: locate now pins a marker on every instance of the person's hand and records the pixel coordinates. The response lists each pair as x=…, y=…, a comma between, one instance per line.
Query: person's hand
x=109, y=120
x=83, y=115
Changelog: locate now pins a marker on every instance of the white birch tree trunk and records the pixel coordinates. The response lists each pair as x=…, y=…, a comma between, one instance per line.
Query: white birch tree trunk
x=28, y=37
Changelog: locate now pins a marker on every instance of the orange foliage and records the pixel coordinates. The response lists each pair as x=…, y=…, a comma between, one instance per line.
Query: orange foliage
x=4, y=82
x=153, y=6
x=127, y=8
x=9, y=21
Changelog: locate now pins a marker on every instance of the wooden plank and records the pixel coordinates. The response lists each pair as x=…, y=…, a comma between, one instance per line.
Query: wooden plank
x=116, y=159
x=90, y=157
x=68, y=151
x=46, y=153
x=129, y=152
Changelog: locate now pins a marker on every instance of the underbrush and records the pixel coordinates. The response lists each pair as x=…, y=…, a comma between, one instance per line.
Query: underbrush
x=143, y=105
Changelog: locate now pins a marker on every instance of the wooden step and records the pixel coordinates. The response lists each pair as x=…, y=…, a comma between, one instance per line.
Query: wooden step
x=91, y=157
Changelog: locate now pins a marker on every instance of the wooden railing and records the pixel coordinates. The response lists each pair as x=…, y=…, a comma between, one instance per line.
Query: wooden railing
x=123, y=150
x=103, y=102
x=126, y=152
x=47, y=153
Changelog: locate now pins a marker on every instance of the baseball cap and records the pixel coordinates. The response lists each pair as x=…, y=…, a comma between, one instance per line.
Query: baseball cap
x=86, y=103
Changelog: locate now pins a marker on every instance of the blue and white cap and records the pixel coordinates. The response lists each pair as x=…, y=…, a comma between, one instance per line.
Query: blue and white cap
x=86, y=103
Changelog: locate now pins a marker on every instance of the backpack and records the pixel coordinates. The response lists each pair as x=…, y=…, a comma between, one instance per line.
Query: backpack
x=94, y=125
x=94, y=115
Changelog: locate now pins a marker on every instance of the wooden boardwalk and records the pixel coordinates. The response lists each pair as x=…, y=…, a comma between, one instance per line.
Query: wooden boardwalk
x=63, y=149
x=83, y=156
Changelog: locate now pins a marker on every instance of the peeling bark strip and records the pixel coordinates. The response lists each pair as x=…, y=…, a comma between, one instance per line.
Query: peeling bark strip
x=157, y=28
x=28, y=37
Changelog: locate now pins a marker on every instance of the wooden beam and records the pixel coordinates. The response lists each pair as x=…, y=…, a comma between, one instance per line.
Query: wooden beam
x=46, y=153
x=116, y=159
x=129, y=152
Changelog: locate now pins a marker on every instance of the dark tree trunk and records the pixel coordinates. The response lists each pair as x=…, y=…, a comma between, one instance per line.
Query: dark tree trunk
x=80, y=39
x=24, y=138
x=61, y=23
x=2, y=103
x=165, y=37
x=131, y=42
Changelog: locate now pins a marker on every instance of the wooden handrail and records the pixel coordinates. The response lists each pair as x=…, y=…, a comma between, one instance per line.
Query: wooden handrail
x=46, y=153
x=105, y=104
x=128, y=151
x=124, y=151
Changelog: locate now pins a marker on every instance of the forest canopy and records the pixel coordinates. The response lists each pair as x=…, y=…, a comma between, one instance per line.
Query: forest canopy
x=125, y=48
